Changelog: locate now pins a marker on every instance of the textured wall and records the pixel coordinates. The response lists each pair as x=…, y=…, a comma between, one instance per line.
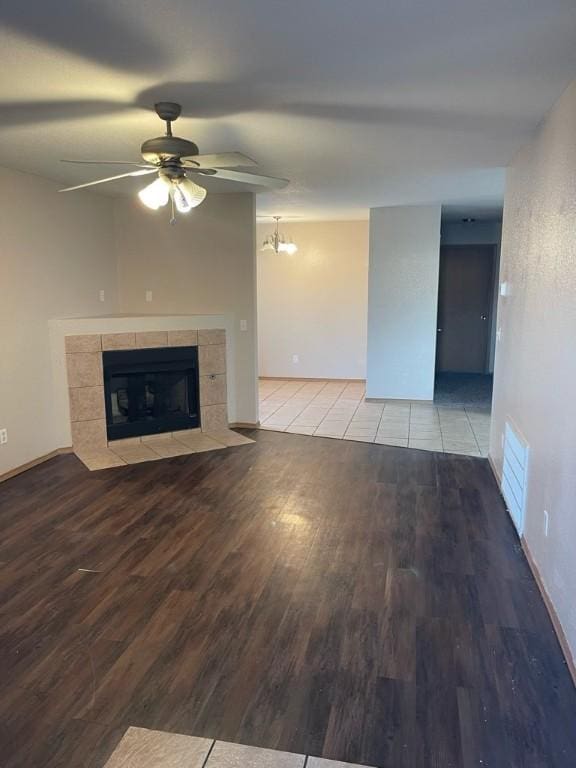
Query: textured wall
x=314, y=303
x=535, y=371
x=56, y=254
x=402, y=301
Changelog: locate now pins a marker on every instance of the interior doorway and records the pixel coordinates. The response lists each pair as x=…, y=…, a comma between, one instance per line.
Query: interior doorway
x=466, y=324
x=465, y=291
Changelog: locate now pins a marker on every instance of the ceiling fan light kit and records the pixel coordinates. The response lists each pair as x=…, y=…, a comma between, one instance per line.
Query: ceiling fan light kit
x=173, y=159
x=277, y=242
x=185, y=193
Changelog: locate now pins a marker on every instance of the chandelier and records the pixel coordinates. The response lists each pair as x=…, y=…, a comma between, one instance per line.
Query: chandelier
x=277, y=242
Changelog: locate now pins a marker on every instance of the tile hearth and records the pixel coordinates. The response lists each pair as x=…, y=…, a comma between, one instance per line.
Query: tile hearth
x=136, y=450
x=159, y=749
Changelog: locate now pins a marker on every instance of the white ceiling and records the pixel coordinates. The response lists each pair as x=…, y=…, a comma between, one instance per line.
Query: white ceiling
x=359, y=102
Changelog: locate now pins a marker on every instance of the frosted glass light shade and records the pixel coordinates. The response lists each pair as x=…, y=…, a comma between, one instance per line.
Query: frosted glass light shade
x=187, y=195
x=156, y=194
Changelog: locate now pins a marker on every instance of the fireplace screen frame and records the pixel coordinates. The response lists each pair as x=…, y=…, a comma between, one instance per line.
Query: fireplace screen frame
x=152, y=360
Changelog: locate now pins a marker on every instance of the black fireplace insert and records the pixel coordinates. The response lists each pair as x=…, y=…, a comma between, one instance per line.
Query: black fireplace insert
x=148, y=391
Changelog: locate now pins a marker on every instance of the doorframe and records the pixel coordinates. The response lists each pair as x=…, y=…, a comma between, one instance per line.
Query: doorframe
x=491, y=341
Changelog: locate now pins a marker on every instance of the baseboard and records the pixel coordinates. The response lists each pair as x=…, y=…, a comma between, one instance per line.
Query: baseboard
x=317, y=378
x=570, y=661
x=494, y=470
x=34, y=463
x=245, y=425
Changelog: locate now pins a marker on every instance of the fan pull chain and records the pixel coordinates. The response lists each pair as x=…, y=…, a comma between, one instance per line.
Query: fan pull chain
x=173, y=218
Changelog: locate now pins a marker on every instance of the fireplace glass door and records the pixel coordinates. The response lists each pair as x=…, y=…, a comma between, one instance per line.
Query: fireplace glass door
x=150, y=391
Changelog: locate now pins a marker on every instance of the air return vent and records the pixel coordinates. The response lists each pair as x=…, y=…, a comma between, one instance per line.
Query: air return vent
x=514, y=475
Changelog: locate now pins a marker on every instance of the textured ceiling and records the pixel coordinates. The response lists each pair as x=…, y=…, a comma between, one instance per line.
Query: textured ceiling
x=359, y=103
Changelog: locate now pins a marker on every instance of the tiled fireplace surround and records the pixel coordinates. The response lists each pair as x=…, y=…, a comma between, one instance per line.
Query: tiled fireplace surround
x=86, y=395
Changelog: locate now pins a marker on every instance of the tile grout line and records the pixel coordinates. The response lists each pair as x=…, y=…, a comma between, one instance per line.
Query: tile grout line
x=441, y=431
x=205, y=763
x=352, y=419
x=304, y=407
x=379, y=420
x=328, y=414
x=283, y=429
x=283, y=404
x=473, y=431
x=472, y=428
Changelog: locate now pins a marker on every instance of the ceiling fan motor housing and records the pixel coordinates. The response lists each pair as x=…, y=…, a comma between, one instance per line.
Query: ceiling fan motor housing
x=165, y=148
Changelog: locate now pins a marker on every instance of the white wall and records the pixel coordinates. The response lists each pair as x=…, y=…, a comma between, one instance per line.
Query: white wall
x=204, y=264
x=402, y=301
x=314, y=303
x=535, y=371
x=56, y=254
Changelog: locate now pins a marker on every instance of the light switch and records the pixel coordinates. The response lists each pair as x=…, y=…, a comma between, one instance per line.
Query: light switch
x=148, y=295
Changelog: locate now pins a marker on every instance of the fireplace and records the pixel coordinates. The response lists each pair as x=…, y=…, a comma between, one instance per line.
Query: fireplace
x=147, y=391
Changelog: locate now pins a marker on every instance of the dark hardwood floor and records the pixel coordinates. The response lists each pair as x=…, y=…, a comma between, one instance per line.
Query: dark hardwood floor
x=366, y=603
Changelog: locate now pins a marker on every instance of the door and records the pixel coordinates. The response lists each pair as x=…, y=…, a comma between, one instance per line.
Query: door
x=464, y=308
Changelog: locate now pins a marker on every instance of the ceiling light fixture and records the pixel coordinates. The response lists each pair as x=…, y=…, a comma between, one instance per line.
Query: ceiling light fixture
x=185, y=193
x=277, y=242
x=174, y=159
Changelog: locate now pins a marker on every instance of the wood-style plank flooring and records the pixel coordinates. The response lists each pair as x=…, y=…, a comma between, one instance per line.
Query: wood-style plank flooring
x=354, y=601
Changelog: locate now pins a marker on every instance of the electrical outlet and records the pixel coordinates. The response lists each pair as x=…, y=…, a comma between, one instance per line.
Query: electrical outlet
x=295, y=359
x=243, y=325
x=3, y=436
x=148, y=296
x=546, y=522
x=102, y=296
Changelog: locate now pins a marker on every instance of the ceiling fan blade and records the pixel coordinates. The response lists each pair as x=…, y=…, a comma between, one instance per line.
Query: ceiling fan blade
x=109, y=162
x=221, y=160
x=143, y=172
x=249, y=178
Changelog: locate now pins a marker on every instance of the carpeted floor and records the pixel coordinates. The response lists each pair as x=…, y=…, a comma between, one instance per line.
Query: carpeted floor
x=463, y=389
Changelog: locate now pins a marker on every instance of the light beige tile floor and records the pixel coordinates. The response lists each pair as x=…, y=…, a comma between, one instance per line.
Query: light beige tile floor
x=338, y=410
x=143, y=748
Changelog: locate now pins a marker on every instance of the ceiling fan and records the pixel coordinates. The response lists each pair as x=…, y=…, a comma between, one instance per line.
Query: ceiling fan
x=174, y=161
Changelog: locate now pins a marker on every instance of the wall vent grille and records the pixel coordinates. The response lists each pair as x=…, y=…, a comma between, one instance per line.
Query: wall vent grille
x=515, y=475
